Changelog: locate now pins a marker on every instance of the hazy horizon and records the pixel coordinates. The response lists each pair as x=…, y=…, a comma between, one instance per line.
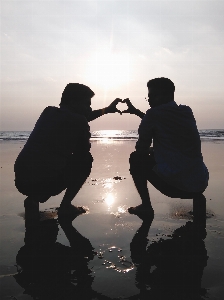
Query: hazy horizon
x=114, y=47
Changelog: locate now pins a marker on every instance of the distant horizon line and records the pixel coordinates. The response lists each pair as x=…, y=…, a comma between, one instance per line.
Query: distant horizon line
x=110, y=129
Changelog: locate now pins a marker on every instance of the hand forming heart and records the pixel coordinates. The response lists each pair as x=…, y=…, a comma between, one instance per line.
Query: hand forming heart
x=112, y=108
x=122, y=107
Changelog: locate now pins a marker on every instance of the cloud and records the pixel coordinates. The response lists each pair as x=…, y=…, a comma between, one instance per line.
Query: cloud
x=46, y=44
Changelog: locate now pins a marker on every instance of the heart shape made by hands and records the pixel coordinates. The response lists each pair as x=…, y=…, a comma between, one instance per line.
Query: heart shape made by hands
x=121, y=106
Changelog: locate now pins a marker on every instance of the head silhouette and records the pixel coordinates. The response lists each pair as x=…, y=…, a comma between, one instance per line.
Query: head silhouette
x=77, y=97
x=160, y=91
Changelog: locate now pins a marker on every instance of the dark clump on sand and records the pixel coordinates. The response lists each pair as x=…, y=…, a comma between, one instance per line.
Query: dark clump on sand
x=118, y=178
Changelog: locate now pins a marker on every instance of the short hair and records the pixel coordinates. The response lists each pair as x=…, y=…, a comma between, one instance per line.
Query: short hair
x=75, y=92
x=161, y=85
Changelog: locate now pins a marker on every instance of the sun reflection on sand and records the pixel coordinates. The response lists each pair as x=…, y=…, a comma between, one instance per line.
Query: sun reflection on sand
x=108, y=185
x=121, y=209
x=109, y=199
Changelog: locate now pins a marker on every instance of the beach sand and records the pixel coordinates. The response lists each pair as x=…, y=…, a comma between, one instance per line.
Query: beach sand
x=125, y=265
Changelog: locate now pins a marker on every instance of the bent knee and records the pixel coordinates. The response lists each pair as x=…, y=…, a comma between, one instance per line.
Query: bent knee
x=138, y=158
x=135, y=157
x=136, y=162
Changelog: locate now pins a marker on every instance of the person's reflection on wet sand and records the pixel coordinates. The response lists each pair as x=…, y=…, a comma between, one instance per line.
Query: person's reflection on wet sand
x=50, y=270
x=171, y=268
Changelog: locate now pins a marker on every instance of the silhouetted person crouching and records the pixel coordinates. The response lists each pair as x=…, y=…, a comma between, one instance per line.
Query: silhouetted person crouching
x=56, y=156
x=174, y=165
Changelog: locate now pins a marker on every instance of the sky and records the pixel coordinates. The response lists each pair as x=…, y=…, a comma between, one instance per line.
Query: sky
x=114, y=47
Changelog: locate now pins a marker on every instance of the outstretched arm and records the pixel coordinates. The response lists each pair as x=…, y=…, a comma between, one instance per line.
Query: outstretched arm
x=131, y=109
x=109, y=109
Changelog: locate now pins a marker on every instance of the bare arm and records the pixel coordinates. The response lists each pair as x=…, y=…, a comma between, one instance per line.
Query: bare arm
x=109, y=109
x=131, y=109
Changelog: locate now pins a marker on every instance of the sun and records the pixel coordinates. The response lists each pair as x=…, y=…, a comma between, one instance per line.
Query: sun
x=108, y=70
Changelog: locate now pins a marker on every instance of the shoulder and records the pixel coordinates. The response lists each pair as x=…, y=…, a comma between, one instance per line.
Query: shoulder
x=72, y=116
x=149, y=119
x=65, y=116
x=76, y=121
x=151, y=114
x=185, y=107
x=78, y=118
x=50, y=112
x=173, y=107
x=186, y=111
x=50, y=108
x=160, y=109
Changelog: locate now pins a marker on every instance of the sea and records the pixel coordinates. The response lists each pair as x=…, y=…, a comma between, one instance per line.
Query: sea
x=205, y=134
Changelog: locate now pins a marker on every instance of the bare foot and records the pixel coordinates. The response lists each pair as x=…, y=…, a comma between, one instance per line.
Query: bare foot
x=70, y=212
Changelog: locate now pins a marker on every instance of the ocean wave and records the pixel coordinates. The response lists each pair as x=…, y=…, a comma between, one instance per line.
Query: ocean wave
x=205, y=134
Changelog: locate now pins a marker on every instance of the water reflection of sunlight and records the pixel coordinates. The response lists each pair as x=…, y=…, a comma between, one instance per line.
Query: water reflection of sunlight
x=121, y=209
x=106, y=141
x=110, y=133
x=108, y=185
x=108, y=136
x=109, y=199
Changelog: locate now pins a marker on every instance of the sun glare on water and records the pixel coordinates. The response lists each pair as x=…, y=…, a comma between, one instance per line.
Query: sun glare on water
x=110, y=133
x=107, y=136
x=108, y=70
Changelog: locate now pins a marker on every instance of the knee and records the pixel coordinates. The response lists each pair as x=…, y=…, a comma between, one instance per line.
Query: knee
x=134, y=157
x=90, y=158
x=138, y=158
x=85, y=164
x=88, y=162
x=136, y=162
x=83, y=161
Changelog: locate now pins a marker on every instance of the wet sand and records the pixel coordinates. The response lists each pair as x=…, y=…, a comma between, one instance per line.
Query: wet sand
x=123, y=265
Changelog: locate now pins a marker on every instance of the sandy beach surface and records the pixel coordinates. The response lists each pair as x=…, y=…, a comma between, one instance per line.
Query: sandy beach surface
x=131, y=259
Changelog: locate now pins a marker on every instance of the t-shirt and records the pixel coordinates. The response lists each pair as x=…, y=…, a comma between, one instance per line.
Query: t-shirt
x=176, y=144
x=57, y=135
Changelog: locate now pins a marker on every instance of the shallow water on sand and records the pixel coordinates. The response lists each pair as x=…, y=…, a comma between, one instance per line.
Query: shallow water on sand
x=119, y=263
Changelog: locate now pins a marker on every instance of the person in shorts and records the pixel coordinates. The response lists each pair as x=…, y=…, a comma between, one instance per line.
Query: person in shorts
x=56, y=156
x=174, y=165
